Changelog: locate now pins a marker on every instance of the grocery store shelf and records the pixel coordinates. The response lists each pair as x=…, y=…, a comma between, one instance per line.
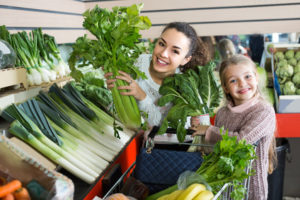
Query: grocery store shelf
x=288, y=125
x=19, y=95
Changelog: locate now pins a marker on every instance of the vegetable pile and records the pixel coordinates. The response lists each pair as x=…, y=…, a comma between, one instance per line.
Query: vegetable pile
x=13, y=190
x=192, y=94
x=115, y=48
x=38, y=53
x=226, y=164
x=68, y=129
x=287, y=69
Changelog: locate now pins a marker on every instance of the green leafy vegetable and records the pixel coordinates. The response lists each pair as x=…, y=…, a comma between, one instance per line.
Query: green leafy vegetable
x=115, y=48
x=192, y=94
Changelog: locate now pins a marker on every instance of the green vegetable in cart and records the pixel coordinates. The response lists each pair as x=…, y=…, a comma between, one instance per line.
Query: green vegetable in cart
x=226, y=164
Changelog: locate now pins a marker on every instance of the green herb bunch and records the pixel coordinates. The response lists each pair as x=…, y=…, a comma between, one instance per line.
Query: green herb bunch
x=227, y=164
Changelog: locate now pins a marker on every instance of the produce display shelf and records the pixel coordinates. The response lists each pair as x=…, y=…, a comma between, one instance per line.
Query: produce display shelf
x=9, y=96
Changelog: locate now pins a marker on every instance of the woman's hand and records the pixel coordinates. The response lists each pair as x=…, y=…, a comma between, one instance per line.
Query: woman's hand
x=132, y=89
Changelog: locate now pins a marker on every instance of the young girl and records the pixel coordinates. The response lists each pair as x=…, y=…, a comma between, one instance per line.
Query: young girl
x=177, y=49
x=246, y=116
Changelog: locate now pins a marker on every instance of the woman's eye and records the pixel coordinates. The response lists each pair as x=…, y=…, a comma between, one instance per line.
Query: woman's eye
x=161, y=44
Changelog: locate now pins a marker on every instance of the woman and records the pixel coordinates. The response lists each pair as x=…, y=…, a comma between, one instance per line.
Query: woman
x=177, y=49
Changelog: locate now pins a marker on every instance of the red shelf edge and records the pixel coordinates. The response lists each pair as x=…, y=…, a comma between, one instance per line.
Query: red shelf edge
x=126, y=159
x=288, y=125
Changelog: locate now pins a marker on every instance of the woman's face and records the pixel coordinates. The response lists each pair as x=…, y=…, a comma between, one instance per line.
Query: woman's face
x=170, y=52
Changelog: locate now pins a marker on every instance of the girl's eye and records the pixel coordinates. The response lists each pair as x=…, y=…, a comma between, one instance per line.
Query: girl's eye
x=248, y=76
x=232, y=81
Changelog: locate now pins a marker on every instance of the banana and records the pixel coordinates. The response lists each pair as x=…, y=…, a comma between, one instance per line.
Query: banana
x=164, y=197
x=192, y=191
x=204, y=195
x=174, y=195
x=171, y=196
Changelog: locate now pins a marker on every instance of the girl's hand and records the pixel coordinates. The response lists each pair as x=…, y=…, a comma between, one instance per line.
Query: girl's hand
x=200, y=130
x=132, y=89
x=195, y=121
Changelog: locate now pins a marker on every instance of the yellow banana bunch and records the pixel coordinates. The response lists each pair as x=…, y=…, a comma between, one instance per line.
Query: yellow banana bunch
x=171, y=196
x=204, y=195
x=191, y=192
x=195, y=191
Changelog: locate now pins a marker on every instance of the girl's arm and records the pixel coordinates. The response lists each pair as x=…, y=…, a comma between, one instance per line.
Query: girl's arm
x=262, y=123
x=258, y=124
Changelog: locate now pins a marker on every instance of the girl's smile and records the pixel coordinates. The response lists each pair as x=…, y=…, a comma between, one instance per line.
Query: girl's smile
x=240, y=82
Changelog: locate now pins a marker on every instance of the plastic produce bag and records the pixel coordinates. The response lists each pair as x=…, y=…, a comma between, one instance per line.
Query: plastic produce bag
x=7, y=55
x=187, y=178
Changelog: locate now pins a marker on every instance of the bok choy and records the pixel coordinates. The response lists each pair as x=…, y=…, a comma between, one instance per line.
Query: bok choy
x=192, y=93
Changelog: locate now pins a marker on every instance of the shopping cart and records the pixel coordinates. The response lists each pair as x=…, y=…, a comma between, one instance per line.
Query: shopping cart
x=223, y=194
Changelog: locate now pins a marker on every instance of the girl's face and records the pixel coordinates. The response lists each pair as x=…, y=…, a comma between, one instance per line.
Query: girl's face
x=240, y=82
x=170, y=52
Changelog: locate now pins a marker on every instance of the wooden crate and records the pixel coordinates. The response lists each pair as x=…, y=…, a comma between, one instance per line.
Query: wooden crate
x=13, y=76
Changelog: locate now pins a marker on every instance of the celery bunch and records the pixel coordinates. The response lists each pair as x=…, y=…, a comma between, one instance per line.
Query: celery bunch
x=115, y=48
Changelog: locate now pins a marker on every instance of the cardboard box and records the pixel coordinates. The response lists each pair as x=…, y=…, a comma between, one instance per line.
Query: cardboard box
x=284, y=103
x=17, y=164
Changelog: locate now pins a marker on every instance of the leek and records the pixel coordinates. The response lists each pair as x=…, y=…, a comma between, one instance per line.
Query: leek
x=33, y=129
x=21, y=132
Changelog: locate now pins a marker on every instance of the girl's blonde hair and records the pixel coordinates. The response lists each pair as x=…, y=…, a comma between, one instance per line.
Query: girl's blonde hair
x=241, y=59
